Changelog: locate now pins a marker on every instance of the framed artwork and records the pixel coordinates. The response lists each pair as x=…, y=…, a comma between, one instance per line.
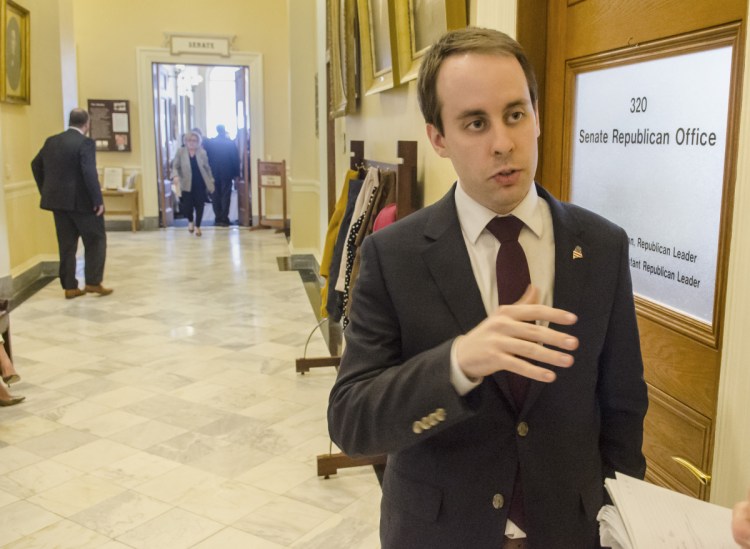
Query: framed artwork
x=14, y=58
x=418, y=25
x=341, y=57
x=376, y=38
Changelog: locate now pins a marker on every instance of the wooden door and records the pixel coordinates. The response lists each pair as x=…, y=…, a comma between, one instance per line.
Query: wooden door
x=244, y=208
x=162, y=132
x=681, y=357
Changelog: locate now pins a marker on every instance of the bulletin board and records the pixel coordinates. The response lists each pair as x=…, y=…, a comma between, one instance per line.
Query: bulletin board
x=110, y=124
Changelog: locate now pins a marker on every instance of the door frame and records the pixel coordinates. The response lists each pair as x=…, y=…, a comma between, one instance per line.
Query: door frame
x=145, y=58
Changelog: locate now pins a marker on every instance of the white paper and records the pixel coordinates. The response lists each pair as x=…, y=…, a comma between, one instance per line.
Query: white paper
x=112, y=178
x=120, y=122
x=657, y=517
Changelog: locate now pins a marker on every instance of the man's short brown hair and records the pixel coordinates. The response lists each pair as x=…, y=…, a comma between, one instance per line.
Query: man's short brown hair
x=466, y=40
x=78, y=118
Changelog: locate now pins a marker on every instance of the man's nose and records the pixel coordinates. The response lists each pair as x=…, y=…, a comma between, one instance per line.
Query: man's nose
x=502, y=143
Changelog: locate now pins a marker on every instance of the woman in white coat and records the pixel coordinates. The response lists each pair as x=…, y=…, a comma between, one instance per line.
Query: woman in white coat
x=192, y=174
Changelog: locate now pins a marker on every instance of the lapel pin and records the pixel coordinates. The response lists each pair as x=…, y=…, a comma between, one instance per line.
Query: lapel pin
x=577, y=253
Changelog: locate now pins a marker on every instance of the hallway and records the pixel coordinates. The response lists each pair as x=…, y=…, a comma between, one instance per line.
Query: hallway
x=168, y=415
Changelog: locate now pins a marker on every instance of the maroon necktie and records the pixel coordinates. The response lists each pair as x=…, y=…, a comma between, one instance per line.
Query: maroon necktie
x=513, y=278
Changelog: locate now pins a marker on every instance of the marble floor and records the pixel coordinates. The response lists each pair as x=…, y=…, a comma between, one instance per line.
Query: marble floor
x=168, y=414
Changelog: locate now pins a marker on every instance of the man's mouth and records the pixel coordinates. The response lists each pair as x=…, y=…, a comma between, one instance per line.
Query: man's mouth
x=505, y=176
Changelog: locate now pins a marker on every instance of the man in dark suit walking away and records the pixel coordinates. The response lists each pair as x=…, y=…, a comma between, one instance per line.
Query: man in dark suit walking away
x=492, y=350
x=65, y=172
x=224, y=160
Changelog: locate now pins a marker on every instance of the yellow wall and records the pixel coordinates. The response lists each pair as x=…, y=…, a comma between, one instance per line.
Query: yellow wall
x=31, y=235
x=107, y=33
x=304, y=174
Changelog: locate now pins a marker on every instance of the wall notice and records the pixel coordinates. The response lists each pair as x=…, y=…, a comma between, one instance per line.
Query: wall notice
x=110, y=124
x=648, y=153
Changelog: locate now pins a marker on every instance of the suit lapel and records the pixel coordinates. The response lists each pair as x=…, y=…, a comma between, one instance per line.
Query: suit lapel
x=448, y=262
x=571, y=265
x=571, y=270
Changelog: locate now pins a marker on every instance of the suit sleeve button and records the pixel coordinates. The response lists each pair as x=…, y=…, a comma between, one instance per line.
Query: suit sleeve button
x=522, y=429
x=440, y=414
x=498, y=501
x=417, y=428
x=424, y=423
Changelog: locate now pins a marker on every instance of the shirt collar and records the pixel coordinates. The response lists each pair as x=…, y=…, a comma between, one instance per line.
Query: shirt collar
x=474, y=217
x=79, y=130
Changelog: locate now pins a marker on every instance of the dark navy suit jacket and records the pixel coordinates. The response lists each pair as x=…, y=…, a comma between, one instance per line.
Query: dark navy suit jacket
x=65, y=172
x=452, y=460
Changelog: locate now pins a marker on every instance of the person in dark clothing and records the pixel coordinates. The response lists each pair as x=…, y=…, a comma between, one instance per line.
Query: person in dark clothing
x=224, y=160
x=65, y=172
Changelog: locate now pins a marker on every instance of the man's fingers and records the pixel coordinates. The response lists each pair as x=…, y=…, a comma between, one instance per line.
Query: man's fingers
x=528, y=370
x=536, y=312
x=505, y=327
x=538, y=353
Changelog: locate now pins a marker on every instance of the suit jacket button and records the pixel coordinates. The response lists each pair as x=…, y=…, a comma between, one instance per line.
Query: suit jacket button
x=417, y=428
x=440, y=414
x=425, y=423
x=432, y=419
x=522, y=429
x=498, y=501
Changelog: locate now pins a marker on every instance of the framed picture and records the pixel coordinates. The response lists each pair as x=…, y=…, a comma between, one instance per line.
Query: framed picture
x=14, y=58
x=342, y=57
x=377, y=40
x=419, y=23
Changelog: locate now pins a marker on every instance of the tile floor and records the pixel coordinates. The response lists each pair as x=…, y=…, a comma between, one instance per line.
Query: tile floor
x=168, y=415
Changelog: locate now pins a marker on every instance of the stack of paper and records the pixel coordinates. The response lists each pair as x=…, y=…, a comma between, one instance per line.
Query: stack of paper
x=646, y=516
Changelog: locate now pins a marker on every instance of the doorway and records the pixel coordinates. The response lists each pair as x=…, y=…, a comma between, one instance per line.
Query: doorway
x=192, y=96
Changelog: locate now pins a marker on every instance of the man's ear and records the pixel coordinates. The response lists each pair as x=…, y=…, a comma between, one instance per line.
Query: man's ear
x=536, y=116
x=437, y=140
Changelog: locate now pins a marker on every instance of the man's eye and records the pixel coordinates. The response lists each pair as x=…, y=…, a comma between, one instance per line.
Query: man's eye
x=476, y=124
x=516, y=116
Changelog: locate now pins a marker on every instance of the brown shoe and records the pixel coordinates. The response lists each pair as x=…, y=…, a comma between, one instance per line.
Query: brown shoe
x=98, y=289
x=75, y=292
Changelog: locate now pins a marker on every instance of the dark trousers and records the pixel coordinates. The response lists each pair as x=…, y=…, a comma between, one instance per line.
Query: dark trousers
x=89, y=227
x=189, y=204
x=222, y=197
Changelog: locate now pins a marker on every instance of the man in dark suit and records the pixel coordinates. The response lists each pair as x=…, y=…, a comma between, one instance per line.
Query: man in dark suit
x=224, y=160
x=431, y=363
x=65, y=172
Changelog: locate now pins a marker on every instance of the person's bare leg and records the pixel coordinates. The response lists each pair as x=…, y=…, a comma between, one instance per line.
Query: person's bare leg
x=7, y=369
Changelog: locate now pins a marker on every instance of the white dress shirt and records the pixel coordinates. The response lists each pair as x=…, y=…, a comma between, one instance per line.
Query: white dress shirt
x=538, y=242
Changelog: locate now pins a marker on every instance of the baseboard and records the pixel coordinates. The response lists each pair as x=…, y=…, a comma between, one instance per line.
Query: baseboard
x=122, y=225
x=30, y=281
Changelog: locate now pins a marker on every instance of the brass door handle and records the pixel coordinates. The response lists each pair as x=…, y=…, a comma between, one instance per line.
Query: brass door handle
x=702, y=477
